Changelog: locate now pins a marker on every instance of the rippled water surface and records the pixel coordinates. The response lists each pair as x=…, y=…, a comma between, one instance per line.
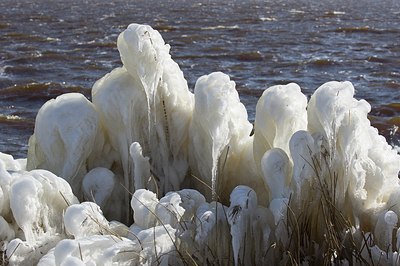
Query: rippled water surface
x=51, y=47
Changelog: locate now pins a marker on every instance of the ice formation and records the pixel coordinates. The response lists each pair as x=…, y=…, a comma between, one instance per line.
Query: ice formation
x=149, y=173
x=65, y=132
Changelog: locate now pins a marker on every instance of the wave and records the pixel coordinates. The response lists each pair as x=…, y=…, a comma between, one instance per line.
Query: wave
x=334, y=13
x=4, y=117
x=29, y=37
x=267, y=19
x=391, y=110
x=23, y=124
x=296, y=11
x=17, y=122
x=386, y=118
x=243, y=56
x=364, y=29
x=20, y=69
x=4, y=25
x=376, y=59
x=250, y=56
x=51, y=39
x=97, y=44
x=221, y=27
x=164, y=28
x=322, y=62
x=34, y=91
x=392, y=85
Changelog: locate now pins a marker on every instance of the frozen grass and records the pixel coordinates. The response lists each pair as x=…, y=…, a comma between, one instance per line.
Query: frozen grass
x=334, y=238
x=317, y=231
x=3, y=260
x=335, y=241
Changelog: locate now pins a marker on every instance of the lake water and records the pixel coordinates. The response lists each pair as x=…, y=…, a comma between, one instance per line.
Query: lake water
x=52, y=47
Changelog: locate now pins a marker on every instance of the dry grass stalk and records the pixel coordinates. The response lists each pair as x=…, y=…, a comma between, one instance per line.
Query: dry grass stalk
x=321, y=223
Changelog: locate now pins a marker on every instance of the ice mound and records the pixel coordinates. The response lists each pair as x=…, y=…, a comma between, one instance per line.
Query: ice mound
x=65, y=132
x=151, y=173
x=32, y=207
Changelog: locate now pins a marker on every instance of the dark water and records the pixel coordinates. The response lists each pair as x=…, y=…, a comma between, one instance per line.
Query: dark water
x=51, y=47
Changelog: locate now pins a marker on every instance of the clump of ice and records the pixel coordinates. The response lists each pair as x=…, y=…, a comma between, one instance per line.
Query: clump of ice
x=315, y=183
x=64, y=135
x=31, y=213
x=219, y=124
x=85, y=219
x=280, y=112
x=93, y=250
x=97, y=185
x=243, y=207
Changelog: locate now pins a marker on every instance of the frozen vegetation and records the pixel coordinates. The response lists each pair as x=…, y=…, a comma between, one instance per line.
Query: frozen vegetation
x=149, y=173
